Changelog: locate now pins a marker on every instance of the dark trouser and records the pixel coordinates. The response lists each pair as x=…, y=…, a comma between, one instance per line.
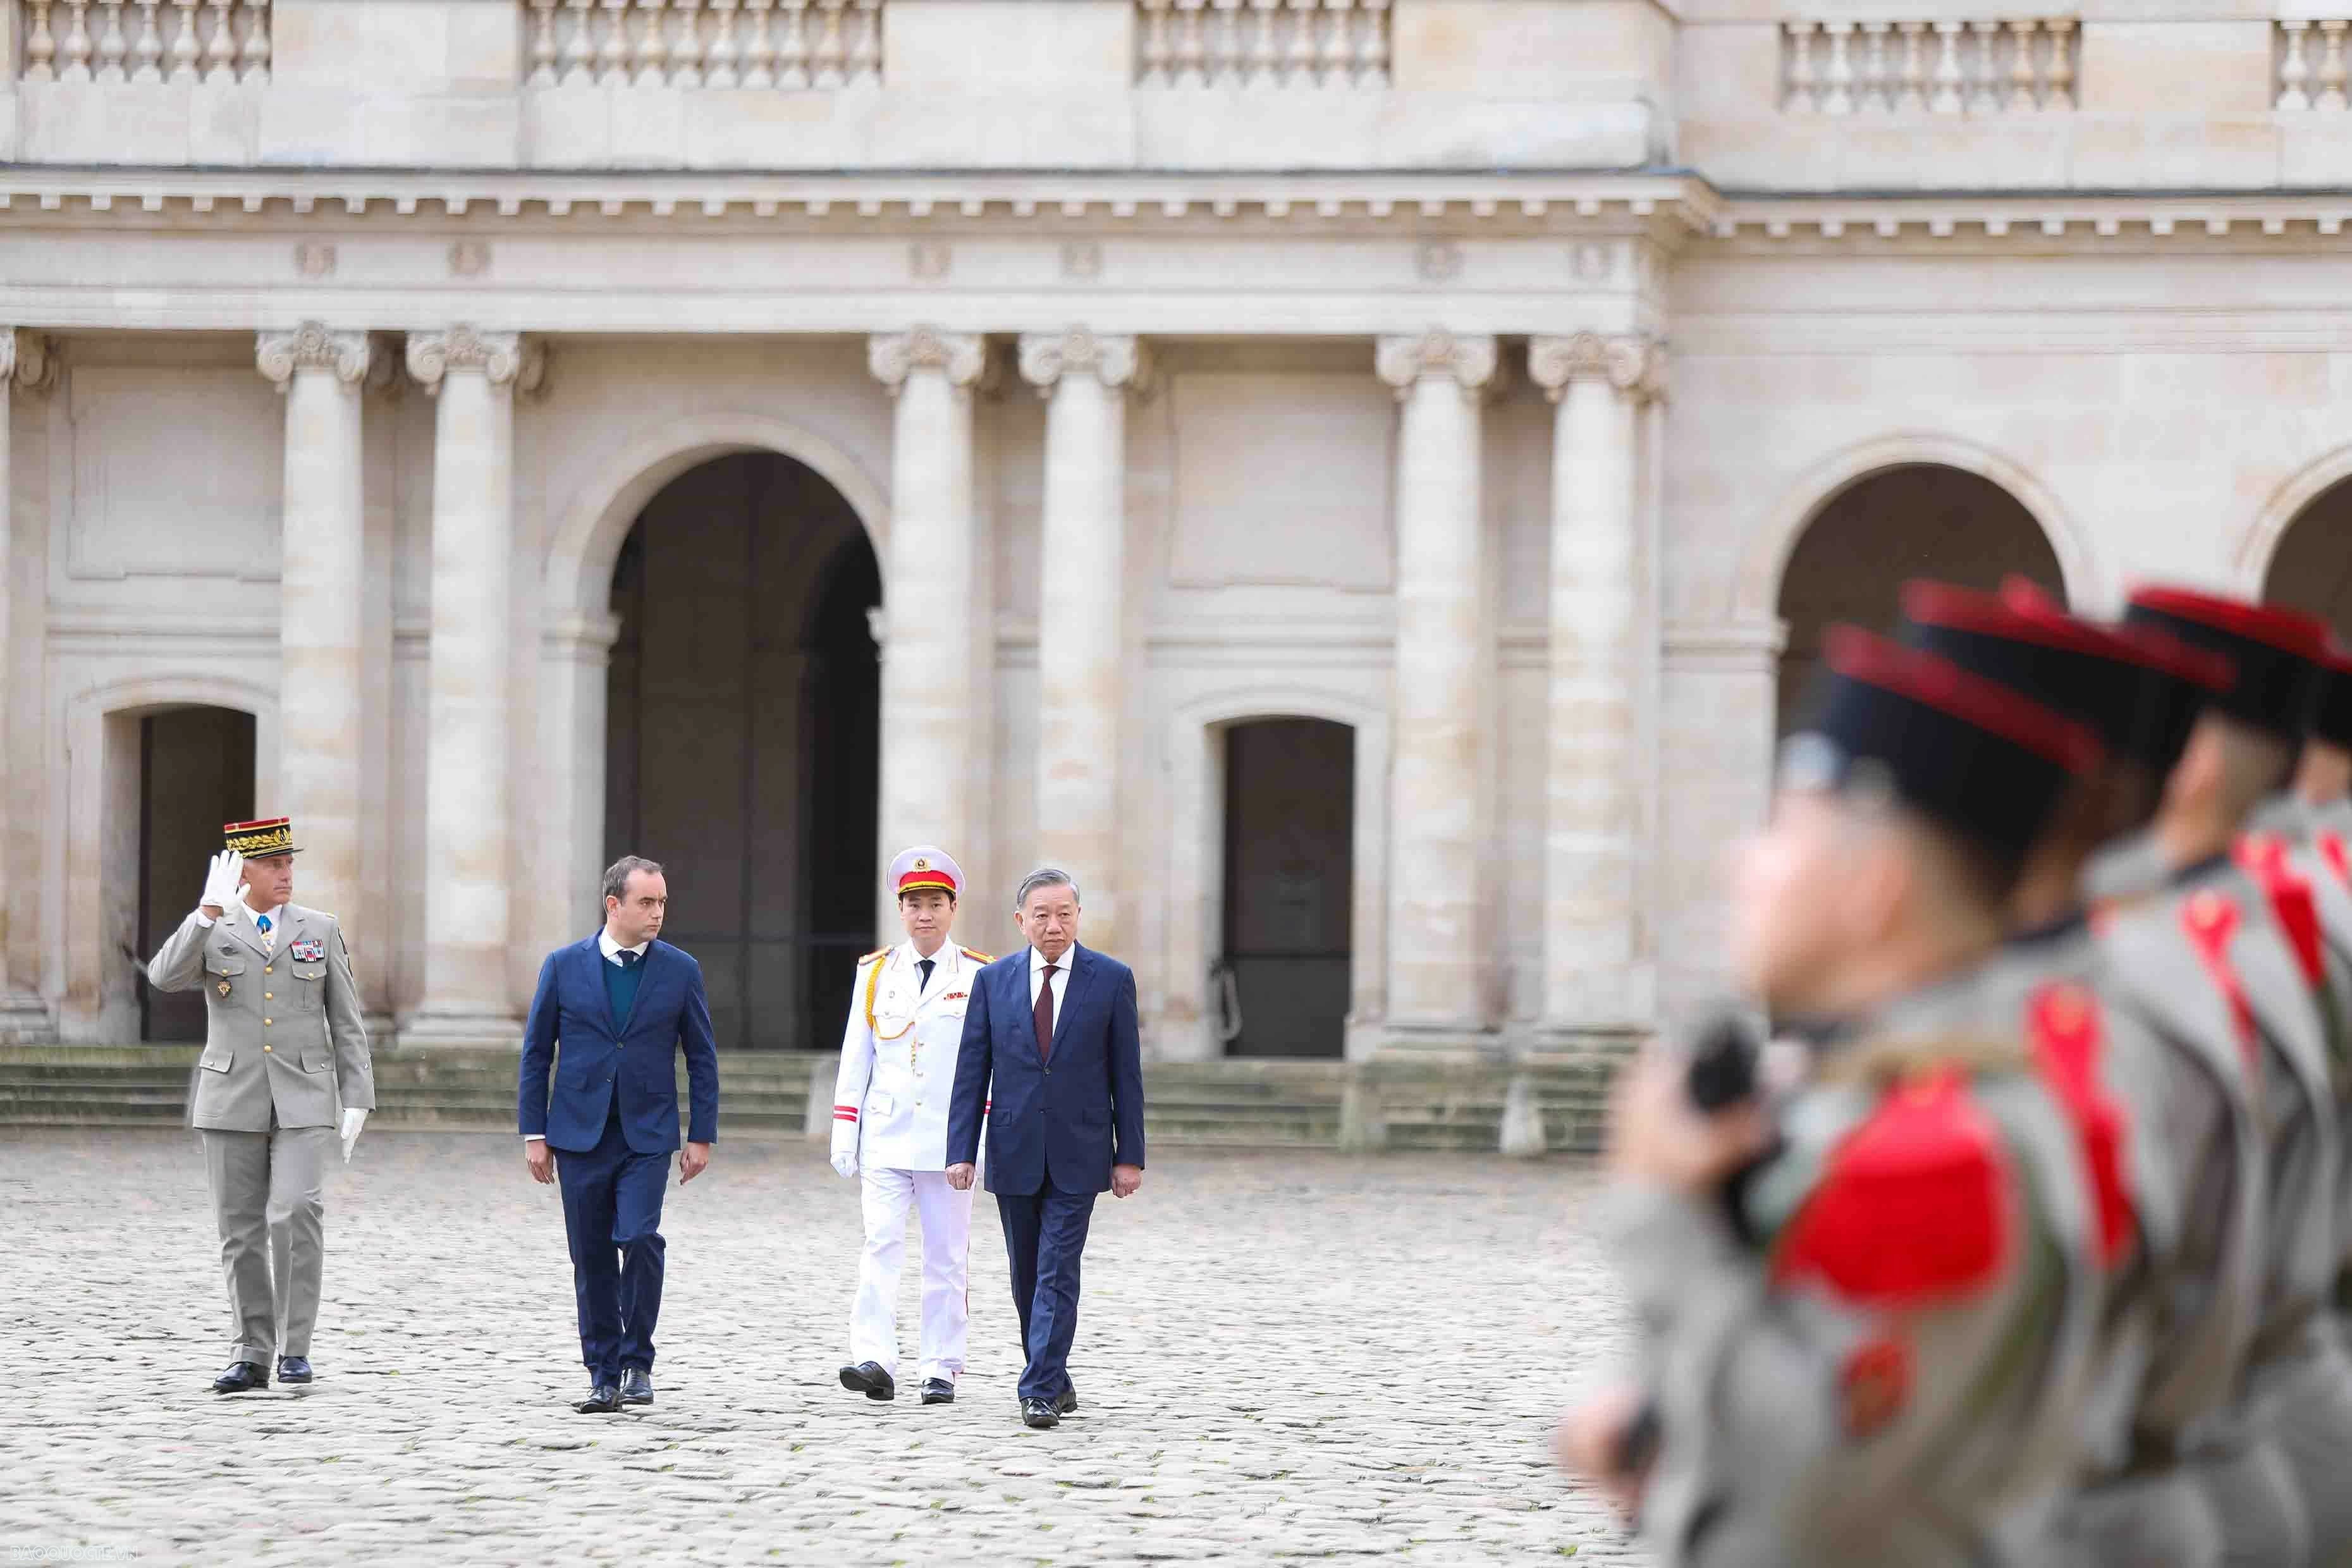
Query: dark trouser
x=613, y=1198
x=1045, y=1236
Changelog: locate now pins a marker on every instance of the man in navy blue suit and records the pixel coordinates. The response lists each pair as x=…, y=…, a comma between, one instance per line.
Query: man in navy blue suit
x=1054, y=1025
x=623, y=1004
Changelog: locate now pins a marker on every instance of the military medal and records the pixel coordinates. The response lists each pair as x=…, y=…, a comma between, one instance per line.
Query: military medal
x=223, y=988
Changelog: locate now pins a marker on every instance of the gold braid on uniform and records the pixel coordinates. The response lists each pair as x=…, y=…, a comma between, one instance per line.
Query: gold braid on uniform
x=873, y=980
x=1885, y=1060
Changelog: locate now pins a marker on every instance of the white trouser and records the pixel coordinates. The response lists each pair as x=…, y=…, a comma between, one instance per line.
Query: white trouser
x=947, y=1241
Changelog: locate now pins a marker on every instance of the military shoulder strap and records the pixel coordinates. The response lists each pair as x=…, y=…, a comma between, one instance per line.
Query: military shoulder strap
x=2068, y=1033
x=2262, y=856
x=977, y=956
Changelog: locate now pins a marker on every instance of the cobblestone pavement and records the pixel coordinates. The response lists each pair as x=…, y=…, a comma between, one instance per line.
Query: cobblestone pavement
x=1280, y=1357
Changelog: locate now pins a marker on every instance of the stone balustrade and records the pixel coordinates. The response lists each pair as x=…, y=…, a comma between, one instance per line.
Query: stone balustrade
x=1261, y=43
x=145, y=40
x=1994, y=66
x=783, y=44
x=2310, y=64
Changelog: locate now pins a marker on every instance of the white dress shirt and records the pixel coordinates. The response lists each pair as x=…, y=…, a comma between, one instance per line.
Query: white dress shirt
x=1061, y=979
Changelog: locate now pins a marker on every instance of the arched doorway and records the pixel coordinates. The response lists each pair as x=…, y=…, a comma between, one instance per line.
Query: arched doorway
x=742, y=724
x=1916, y=520
x=193, y=771
x=1289, y=875
x=2312, y=568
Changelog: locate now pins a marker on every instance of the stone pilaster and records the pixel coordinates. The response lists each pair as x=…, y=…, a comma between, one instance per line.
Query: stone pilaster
x=930, y=634
x=1598, y=958
x=1439, y=968
x=27, y=364
x=321, y=609
x=1085, y=381
x=470, y=858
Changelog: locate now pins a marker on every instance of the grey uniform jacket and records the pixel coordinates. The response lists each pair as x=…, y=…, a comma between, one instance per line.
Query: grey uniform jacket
x=1805, y=1423
x=282, y=1031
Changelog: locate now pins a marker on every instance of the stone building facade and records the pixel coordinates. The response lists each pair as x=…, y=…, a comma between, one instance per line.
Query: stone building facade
x=1354, y=479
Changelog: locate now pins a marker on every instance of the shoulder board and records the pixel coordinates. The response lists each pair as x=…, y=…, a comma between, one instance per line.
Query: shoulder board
x=2069, y=1037
x=877, y=953
x=2263, y=856
x=1912, y=1207
x=977, y=956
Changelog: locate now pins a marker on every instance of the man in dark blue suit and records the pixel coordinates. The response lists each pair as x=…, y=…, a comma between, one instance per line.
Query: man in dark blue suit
x=623, y=1004
x=1054, y=1025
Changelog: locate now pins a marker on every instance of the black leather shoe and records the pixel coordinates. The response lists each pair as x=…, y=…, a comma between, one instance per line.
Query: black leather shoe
x=603, y=1400
x=1069, y=1404
x=242, y=1377
x=1040, y=1413
x=938, y=1391
x=868, y=1378
x=636, y=1385
x=293, y=1368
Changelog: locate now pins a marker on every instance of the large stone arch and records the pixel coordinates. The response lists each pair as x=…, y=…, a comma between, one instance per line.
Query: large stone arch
x=1765, y=553
x=95, y=787
x=1192, y=741
x=2255, y=559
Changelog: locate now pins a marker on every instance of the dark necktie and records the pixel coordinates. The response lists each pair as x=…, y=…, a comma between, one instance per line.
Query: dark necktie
x=1042, y=1015
x=925, y=982
x=628, y=960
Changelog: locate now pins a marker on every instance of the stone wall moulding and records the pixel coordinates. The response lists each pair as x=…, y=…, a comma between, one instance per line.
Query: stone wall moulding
x=1633, y=364
x=1469, y=358
x=892, y=357
x=1116, y=360
x=28, y=361
x=506, y=359
x=354, y=356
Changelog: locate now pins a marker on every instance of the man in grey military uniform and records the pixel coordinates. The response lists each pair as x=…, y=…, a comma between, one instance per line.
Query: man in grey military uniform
x=283, y=1045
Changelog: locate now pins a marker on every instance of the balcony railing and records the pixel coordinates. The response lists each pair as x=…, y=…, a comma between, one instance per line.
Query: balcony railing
x=783, y=43
x=1995, y=67
x=1261, y=43
x=2309, y=59
x=144, y=40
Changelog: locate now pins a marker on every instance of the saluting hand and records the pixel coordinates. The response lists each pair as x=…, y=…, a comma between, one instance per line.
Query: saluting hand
x=223, y=876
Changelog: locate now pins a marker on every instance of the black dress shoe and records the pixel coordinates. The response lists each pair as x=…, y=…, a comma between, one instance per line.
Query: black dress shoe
x=242, y=1377
x=603, y=1400
x=293, y=1368
x=1039, y=1413
x=938, y=1391
x=868, y=1378
x=1069, y=1404
x=636, y=1385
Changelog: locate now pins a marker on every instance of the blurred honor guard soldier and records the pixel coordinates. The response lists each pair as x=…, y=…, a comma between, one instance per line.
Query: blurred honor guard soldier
x=1875, y=1315
x=283, y=1043
x=2242, y=921
x=2166, y=1118
x=1054, y=1029
x=622, y=1005
x=890, y=1120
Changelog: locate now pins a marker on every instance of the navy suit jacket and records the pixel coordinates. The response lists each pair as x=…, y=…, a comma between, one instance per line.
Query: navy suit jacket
x=639, y=1063
x=1062, y=1120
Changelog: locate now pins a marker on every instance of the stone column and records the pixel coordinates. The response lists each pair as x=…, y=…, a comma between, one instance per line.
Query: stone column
x=929, y=634
x=1082, y=585
x=469, y=858
x=322, y=592
x=1599, y=973
x=25, y=364
x=1438, y=965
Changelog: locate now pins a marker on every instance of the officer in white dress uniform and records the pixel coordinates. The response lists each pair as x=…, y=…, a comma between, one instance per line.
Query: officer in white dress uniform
x=890, y=1122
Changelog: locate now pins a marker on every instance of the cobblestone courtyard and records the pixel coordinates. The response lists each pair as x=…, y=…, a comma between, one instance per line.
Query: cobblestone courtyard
x=1280, y=1357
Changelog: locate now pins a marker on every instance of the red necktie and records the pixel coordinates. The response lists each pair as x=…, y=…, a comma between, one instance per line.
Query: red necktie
x=1042, y=1015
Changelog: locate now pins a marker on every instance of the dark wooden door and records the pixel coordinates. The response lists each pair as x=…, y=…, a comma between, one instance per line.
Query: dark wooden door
x=1289, y=883
x=195, y=773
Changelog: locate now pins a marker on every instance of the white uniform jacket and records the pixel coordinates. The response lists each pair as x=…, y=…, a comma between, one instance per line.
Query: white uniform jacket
x=898, y=1057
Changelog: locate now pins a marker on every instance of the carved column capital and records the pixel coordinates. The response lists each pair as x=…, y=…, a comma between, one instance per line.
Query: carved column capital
x=503, y=358
x=1633, y=362
x=1118, y=360
x=892, y=357
x=1405, y=360
x=353, y=357
x=28, y=362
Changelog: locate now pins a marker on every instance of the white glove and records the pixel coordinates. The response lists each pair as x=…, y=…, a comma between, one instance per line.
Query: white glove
x=845, y=1154
x=223, y=879
x=353, y=1120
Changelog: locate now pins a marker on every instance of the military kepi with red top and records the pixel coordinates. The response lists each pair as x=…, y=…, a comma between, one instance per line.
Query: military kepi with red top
x=2274, y=652
x=271, y=835
x=925, y=866
x=1975, y=756
x=2176, y=678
